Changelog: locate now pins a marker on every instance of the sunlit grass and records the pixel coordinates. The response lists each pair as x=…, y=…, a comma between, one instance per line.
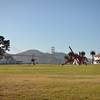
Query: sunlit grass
x=49, y=82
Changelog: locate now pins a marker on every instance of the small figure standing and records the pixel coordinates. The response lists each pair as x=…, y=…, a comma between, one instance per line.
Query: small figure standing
x=33, y=61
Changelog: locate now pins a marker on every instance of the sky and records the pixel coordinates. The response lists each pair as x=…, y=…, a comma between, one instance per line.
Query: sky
x=41, y=24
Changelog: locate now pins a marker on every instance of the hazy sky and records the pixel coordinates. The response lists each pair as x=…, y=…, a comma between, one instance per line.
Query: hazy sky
x=40, y=24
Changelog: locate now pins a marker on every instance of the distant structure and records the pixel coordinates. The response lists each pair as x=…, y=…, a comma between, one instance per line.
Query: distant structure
x=97, y=59
x=4, y=46
x=53, y=50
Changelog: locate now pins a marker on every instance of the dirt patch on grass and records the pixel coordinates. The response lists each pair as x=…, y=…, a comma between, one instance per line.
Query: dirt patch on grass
x=44, y=78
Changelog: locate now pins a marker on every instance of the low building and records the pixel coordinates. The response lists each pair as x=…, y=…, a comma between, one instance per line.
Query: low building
x=97, y=59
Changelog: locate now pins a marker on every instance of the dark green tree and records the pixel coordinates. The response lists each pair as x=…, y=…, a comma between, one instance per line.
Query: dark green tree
x=4, y=46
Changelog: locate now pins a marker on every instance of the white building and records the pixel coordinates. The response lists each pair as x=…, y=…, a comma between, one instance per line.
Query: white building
x=97, y=59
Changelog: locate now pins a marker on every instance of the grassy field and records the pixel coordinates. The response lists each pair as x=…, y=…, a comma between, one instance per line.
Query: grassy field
x=49, y=82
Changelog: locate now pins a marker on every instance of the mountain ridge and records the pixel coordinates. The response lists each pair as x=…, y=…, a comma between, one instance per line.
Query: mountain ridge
x=41, y=57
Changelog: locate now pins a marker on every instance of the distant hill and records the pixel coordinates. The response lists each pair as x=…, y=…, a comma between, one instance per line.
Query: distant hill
x=40, y=57
x=31, y=52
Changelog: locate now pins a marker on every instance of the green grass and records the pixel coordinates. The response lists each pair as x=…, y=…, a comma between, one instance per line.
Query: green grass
x=49, y=82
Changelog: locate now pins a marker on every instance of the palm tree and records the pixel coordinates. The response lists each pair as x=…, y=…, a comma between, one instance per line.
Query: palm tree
x=82, y=57
x=83, y=53
x=92, y=53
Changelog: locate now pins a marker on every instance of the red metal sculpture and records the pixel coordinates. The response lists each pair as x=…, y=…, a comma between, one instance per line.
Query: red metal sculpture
x=75, y=58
